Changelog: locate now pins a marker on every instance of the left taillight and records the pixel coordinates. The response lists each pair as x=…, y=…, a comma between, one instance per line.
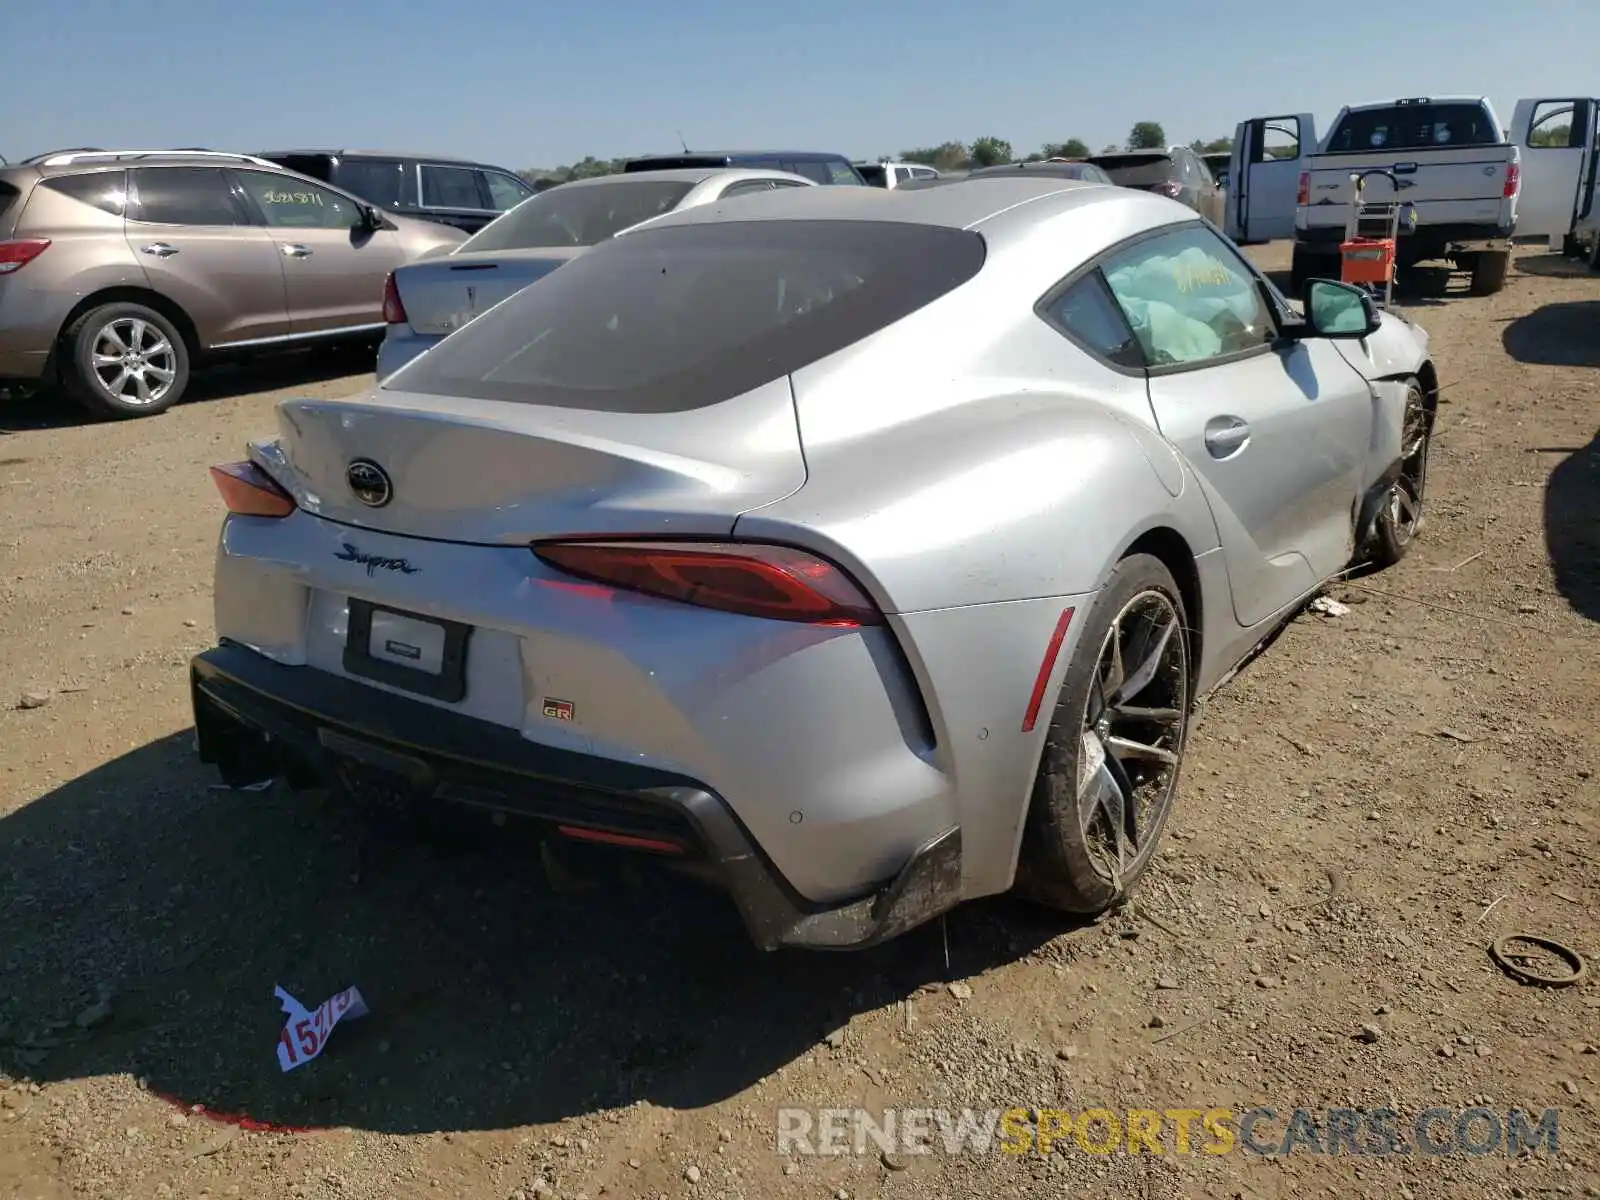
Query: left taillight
x=394, y=312
x=16, y=254
x=777, y=582
x=1170, y=188
x=248, y=491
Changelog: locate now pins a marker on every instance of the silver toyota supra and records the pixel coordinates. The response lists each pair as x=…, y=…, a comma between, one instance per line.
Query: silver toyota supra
x=866, y=551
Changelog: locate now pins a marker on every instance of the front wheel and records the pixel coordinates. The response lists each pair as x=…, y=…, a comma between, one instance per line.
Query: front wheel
x=1109, y=771
x=1400, y=519
x=125, y=360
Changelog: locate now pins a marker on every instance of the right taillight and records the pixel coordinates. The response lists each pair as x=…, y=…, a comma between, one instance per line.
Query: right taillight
x=1513, y=180
x=1302, y=193
x=394, y=312
x=248, y=491
x=1170, y=187
x=14, y=255
x=777, y=582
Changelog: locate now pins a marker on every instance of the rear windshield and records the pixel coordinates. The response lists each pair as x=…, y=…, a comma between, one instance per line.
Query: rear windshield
x=675, y=162
x=579, y=216
x=1137, y=170
x=683, y=317
x=1413, y=127
x=874, y=174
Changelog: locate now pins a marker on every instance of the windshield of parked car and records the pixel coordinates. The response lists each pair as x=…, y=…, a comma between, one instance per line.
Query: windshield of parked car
x=572, y=215
x=682, y=317
x=1137, y=170
x=1413, y=127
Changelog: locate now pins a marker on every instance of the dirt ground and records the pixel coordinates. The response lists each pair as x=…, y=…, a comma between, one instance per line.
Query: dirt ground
x=1373, y=802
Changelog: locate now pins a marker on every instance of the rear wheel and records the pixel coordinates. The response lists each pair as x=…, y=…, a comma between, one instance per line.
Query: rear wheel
x=124, y=360
x=1489, y=270
x=1400, y=519
x=1109, y=771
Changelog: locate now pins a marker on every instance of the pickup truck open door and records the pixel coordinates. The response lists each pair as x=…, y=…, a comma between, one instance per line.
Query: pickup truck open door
x=1557, y=138
x=1264, y=176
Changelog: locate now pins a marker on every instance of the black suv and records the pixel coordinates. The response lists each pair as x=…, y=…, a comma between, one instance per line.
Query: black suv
x=818, y=167
x=452, y=191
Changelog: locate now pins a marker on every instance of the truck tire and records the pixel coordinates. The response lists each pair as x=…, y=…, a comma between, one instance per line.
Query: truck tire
x=1307, y=264
x=1489, y=270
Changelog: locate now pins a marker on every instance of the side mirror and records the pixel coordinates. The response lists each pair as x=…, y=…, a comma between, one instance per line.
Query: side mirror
x=1339, y=310
x=371, y=218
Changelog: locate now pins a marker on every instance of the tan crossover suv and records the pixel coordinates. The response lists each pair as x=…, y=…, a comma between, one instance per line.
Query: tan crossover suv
x=121, y=269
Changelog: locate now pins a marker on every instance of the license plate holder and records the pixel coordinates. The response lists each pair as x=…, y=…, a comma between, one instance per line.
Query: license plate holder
x=408, y=636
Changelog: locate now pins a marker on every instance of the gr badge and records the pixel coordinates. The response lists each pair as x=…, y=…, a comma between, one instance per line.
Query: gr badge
x=558, y=710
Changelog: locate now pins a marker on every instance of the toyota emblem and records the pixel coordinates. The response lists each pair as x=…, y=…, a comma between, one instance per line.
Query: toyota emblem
x=369, y=483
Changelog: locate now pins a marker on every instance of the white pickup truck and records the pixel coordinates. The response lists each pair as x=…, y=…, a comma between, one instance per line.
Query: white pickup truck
x=1449, y=155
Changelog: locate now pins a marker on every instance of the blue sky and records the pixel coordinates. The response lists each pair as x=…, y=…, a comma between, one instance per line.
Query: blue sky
x=523, y=84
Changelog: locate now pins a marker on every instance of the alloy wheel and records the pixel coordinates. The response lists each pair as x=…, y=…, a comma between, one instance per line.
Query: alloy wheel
x=1133, y=735
x=1409, y=493
x=133, y=361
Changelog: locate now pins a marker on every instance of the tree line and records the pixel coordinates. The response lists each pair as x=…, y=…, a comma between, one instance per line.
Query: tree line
x=947, y=156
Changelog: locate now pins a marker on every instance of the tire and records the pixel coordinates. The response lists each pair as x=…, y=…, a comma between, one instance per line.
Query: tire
x=1489, y=270
x=1306, y=265
x=1401, y=517
x=160, y=361
x=1067, y=862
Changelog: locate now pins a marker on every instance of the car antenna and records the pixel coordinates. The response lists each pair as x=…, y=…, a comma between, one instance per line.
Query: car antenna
x=681, y=142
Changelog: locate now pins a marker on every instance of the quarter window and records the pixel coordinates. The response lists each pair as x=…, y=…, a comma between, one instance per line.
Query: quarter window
x=290, y=203
x=380, y=181
x=1189, y=298
x=105, y=190
x=1087, y=313
x=450, y=187
x=185, y=196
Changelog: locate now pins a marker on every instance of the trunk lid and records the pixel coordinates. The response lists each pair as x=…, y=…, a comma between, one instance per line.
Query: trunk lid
x=493, y=472
x=442, y=294
x=1445, y=186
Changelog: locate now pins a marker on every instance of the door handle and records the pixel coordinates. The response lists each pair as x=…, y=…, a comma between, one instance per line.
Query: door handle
x=295, y=250
x=159, y=250
x=1226, y=436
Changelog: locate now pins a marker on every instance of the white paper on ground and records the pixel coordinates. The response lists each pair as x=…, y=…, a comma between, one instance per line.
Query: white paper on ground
x=306, y=1033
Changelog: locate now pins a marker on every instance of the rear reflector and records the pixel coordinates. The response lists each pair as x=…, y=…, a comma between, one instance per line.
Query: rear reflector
x=394, y=312
x=777, y=582
x=1047, y=668
x=628, y=840
x=17, y=254
x=249, y=491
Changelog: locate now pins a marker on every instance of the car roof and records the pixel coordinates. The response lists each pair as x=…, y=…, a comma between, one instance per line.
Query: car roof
x=442, y=159
x=1415, y=100
x=680, y=175
x=1153, y=152
x=957, y=207
x=1044, y=169
x=792, y=155
x=78, y=160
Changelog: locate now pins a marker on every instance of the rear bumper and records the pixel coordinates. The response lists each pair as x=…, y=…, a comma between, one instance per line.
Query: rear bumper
x=256, y=719
x=1424, y=242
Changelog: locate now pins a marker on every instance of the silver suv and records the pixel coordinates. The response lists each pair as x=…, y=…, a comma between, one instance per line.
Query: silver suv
x=119, y=270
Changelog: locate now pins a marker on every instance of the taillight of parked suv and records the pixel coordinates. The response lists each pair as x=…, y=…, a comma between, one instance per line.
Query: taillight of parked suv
x=18, y=253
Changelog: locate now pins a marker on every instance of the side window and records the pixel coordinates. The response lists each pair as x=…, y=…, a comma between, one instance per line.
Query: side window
x=290, y=203
x=184, y=196
x=924, y=173
x=1280, y=138
x=814, y=170
x=787, y=183
x=505, y=193
x=1086, y=313
x=1552, y=128
x=1189, y=297
x=105, y=190
x=744, y=187
x=450, y=187
x=379, y=181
